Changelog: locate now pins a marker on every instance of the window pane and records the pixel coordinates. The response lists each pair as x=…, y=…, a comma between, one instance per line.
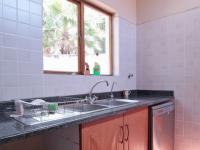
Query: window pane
x=97, y=40
x=60, y=36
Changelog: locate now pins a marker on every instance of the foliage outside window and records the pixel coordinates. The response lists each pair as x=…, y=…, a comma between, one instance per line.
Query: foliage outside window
x=76, y=35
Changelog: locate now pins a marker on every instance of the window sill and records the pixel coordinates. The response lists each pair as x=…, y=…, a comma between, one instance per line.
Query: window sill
x=72, y=73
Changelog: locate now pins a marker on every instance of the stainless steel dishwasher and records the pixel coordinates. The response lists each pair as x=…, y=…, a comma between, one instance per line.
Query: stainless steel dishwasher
x=162, y=126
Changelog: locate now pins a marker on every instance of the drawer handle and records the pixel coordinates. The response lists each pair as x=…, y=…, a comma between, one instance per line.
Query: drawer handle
x=127, y=137
x=122, y=132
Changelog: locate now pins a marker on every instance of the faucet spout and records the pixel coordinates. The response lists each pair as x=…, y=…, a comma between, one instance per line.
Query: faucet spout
x=111, y=91
x=91, y=98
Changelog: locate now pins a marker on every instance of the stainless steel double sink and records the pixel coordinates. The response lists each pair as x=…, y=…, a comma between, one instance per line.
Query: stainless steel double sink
x=71, y=110
x=99, y=105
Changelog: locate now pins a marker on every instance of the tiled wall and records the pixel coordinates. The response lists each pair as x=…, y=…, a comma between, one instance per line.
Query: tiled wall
x=168, y=58
x=21, y=74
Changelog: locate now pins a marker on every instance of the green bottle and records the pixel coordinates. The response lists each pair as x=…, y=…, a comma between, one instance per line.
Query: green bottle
x=96, y=69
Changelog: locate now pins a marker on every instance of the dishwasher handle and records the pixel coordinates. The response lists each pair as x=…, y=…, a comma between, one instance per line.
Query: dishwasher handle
x=164, y=110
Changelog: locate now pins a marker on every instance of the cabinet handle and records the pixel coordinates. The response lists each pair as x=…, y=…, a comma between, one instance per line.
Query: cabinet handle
x=127, y=137
x=122, y=131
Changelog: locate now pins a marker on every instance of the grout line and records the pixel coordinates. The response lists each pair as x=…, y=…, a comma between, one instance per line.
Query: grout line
x=165, y=16
x=133, y=23
x=21, y=36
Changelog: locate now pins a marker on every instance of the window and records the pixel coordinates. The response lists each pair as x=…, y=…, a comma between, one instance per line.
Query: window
x=76, y=35
x=60, y=36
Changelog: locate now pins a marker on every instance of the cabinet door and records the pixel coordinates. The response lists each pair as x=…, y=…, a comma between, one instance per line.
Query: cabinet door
x=105, y=134
x=136, y=129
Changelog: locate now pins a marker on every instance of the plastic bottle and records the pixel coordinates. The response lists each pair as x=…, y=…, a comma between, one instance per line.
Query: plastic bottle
x=87, y=69
x=96, y=69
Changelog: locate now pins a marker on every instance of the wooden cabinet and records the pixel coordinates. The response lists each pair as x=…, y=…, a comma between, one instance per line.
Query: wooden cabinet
x=60, y=139
x=136, y=130
x=106, y=134
x=128, y=131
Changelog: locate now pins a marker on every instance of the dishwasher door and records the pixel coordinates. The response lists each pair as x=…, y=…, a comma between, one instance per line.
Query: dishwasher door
x=163, y=127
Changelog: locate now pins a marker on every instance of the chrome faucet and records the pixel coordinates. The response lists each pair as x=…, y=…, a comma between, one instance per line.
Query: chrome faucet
x=111, y=91
x=93, y=98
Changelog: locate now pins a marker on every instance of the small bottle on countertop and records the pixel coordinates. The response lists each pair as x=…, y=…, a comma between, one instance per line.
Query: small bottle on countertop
x=127, y=94
x=87, y=69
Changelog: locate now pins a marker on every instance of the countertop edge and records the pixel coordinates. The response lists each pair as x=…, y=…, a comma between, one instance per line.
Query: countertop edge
x=81, y=120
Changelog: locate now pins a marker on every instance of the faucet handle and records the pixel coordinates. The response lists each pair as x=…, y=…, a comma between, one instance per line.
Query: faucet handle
x=91, y=99
x=95, y=97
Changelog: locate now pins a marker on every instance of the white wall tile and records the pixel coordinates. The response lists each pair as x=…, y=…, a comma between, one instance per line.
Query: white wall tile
x=1, y=25
x=36, y=68
x=25, y=80
x=36, y=57
x=9, y=54
x=23, y=5
x=12, y=3
x=35, y=8
x=23, y=16
x=25, y=68
x=24, y=56
x=37, y=1
x=10, y=40
x=35, y=45
x=35, y=32
x=1, y=68
x=23, y=29
x=1, y=39
x=24, y=92
x=37, y=80
x=9, y=93
x=9, y=67
x=9, y=13
x=23, y=42
x=1, y=82
x=38, y=91
x=9, y=80
x=10, y=26
x=1, y=53
x=1, y=12
x=36, y=20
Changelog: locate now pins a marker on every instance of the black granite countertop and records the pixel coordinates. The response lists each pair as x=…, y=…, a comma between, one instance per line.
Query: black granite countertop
x=11, y=129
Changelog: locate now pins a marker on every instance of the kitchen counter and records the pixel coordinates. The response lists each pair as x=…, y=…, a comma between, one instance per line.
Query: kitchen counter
x=11, y=129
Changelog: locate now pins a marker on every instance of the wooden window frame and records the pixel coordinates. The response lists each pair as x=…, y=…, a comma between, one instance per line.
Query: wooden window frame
x=81, y=43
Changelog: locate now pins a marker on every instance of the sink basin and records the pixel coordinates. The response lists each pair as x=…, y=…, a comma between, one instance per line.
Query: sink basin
x=84, y=107
x=72, y=110
x=110, y=102
x=115, y=102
